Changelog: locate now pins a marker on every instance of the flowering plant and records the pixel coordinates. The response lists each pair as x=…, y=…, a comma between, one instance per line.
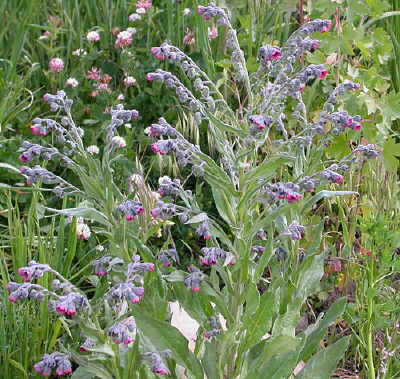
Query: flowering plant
x=260, y=258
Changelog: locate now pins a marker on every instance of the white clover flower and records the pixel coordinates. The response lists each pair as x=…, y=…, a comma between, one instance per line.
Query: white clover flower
x=100, y=248
x=187, y=12
x=71, y=82
x=129, y=81
x=140, y=11
x=93, y=149
x=83, y=231
x=134, y=17
x=119, y=141
x=79, y=53
x=121, y=97
x=128, y=125
x=93, y=36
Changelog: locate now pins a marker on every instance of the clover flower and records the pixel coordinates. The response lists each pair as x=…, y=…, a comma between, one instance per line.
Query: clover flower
x=56, y=65
x=145, y=4
x=118, y=141
x=123, y=332
x=56, y=361
x=93, y=36
x=94, y=74
x=189, y=38
x=212, y=33
x=131, y=209
x=295, y=231
x=93, y=149
x=125, y=38
x=71, y=82
x=82, y=231
x=129, y=81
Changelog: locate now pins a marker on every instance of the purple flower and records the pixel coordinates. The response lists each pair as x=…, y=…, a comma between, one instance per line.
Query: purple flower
x=123, y=332
x=58, y=361
x=295, y=231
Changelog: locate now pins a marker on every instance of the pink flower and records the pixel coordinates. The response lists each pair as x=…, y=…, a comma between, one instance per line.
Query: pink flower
x=323, y=74
x=119, y=141
x=157, y=53
x=195, y=289
x=327, y=27
x=124, y=39
x=212, y=32
x=93, y=74
x=189, y=39
x=93, y=36
x=71, y=82
x=56, y=65
x=146, y=4
x=129, y=81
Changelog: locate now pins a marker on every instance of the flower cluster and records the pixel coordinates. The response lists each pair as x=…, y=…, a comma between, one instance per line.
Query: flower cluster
x=125, y=38
x=125, y=291
x=104, y=265
x=285, y=191
x=37, y=173
x=69, y=305
x=295, y=231
x=162, y=128
x=155, y=359
x=215, y=328
x=204, y=231
x=164, y=210
x=23, y=291
x=138, y=267
x=82, y=230
x=169, y=187
x=58, y=361
x=211, y=255
x=33, y=271
x=120, y=116
x=194, y=279
x=123, y=332
x=212, y=11
x=166, y=256
x=130, y=209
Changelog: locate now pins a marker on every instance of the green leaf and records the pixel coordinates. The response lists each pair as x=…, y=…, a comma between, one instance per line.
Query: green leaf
x=18, y=366
x=89, y=213
x=316, y=332
x=164, y=336
x=276, y=353
x=210, y=360
x=258, y=323
x=82, y=373
x=198, y=218
x=324, y=363
x=325, y=194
